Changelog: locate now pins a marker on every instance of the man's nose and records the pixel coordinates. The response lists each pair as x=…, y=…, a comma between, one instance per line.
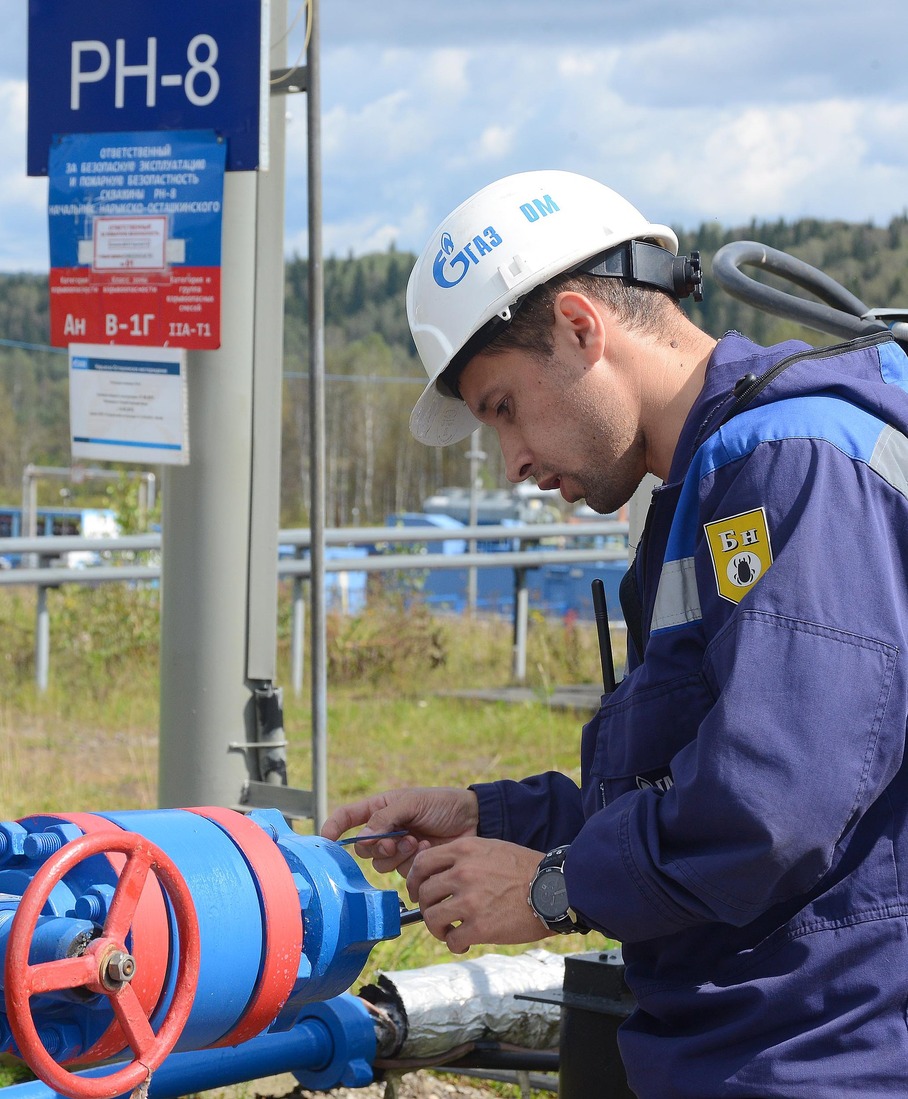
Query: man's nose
x=517, y=462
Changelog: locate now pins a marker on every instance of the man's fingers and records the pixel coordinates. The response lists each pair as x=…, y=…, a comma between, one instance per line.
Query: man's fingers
x=428, y=864
x=370, y=815
x=387, y=855
x=346, y=817
x=440, y=918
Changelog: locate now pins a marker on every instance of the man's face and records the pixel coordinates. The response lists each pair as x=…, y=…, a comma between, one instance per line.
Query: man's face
x=567, y=424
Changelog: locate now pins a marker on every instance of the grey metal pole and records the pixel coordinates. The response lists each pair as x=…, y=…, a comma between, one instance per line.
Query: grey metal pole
x=475, y=456
x=318, y=645
x=205, y=703
x=521, y=621
x=42, y=640
x=30, y=507
x=219, y=594
x=268, y=380
x=268, y=763
x=296, y=636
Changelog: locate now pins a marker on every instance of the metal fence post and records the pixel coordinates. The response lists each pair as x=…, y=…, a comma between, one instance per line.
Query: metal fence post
x=521, y=622
x=42, y=639
x=297, y=636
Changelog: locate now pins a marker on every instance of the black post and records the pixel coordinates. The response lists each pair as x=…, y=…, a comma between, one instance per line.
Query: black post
x=595, y=1001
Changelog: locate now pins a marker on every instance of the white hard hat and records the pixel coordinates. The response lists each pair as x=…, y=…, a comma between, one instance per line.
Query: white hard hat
x=492, y=250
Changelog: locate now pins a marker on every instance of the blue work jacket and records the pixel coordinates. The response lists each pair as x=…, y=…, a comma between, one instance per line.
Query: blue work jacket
x=742, y=821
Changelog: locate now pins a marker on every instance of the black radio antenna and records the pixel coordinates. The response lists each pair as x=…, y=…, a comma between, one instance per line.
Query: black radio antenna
x=605, y=639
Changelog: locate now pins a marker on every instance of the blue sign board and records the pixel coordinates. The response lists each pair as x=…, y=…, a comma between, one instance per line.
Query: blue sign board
x=135, y=238
x=137, y=65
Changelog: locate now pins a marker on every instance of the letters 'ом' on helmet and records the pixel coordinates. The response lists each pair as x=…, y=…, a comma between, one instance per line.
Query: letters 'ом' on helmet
x=492, y=250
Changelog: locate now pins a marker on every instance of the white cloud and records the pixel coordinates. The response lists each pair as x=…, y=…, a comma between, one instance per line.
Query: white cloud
x=810, y=159
x=713, y=114
x=495, y=142
x=23, y=224
x=376, y=129
x=449, y=72
x=373, y=231
x=768, y=155
x=580, y=65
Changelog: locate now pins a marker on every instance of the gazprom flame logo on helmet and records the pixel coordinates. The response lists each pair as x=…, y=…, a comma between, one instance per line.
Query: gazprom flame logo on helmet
x=451, y=268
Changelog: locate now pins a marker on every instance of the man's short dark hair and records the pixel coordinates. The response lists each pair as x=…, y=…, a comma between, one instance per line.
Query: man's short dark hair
x=643, y=308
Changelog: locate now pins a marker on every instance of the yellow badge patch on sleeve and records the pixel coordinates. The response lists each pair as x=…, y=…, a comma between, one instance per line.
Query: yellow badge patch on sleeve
x=740, y=551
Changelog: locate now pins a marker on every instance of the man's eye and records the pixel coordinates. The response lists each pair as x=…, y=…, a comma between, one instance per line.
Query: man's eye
x=504, y=408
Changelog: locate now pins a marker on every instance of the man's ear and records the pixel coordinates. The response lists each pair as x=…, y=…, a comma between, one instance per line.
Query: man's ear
x=579, y=322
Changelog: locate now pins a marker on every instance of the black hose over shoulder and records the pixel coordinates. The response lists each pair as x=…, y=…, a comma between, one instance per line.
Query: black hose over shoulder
x=839, y=312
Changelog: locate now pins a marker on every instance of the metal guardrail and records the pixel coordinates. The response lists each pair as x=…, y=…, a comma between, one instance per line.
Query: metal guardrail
x=57, y=547
x=46, y=577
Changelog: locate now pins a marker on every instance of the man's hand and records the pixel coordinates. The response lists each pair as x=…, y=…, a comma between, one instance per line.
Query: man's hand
x=475, y=891
x=430, y=815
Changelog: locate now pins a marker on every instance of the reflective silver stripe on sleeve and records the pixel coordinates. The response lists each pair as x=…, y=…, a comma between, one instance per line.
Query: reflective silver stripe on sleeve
x=677, y=598
x=890, y=459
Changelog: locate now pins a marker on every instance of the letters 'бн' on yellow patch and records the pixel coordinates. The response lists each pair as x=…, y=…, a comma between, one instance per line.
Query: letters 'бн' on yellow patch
x=740, y=551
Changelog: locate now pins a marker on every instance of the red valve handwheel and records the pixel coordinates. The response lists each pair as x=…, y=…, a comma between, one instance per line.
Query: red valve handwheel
x=149, y=943
x=89, y=970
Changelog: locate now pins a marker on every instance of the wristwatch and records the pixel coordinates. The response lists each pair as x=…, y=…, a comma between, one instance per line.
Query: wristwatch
x=548, y=895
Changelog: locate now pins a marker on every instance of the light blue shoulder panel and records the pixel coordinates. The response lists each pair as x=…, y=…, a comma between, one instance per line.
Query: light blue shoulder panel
x=855, y=432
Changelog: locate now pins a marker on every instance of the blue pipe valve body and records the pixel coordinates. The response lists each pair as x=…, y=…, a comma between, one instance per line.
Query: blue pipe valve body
x=258, y=889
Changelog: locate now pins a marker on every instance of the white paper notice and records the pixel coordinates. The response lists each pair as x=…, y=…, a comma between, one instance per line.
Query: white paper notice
x=128, y=404
x=130, y=243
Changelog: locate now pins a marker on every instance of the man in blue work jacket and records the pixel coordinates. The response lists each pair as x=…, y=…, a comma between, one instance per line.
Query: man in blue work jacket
x=742, y=820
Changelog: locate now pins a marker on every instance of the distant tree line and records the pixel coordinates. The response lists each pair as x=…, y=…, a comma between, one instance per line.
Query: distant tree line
x=373, y=374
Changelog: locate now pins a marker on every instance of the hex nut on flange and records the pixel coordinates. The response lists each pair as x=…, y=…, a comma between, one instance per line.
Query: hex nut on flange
x=120, y=968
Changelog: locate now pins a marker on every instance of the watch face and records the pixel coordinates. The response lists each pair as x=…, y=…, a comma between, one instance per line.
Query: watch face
x=549, y=894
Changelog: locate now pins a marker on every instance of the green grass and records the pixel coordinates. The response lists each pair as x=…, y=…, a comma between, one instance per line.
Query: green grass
x=443, y=741
x=90, y=742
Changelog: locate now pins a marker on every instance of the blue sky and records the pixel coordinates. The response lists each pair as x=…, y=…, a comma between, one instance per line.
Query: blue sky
x=724, y=112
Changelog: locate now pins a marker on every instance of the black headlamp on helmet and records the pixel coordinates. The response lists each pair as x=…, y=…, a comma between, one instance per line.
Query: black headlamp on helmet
x=643, y=264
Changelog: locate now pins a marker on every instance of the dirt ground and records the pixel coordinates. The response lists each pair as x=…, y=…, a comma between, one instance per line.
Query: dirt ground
x=413, y=1085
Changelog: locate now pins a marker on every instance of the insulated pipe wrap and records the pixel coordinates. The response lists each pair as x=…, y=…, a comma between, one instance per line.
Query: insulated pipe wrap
x=444, y=1006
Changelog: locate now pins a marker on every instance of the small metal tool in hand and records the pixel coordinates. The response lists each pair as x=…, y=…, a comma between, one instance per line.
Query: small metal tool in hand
x=407, y=916
x=371, y=837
